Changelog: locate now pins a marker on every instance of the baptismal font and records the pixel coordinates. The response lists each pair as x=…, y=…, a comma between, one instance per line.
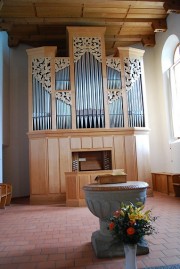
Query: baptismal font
x=103, y=199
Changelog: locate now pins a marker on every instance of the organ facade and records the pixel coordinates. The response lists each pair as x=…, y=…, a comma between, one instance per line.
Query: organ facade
x=87, y=116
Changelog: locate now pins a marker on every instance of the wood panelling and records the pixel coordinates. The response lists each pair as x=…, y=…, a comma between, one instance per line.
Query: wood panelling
x=57, y=10
x=108, y=141
x=86, y=142
x=40, y=23
x=74, y=183
x=53, y=165
x=119, y=152
x=72, y=192
x=75, y=142
x=97, y=142
x=65, y=161
x=83, y=180
x=142, y=148
x=38, y=167
x=130, y=156
x=51, y=158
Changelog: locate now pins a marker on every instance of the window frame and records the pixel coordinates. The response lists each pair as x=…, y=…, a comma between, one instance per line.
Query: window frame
x=175, y=94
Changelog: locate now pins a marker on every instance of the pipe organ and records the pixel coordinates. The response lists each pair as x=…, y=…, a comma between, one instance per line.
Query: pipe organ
x=86, y=102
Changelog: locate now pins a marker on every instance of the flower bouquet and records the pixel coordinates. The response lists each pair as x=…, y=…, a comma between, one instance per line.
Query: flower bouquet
x=130, y=224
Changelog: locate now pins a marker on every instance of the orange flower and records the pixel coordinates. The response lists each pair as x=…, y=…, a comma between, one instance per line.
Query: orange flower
x=111, y=226
x=130, y=231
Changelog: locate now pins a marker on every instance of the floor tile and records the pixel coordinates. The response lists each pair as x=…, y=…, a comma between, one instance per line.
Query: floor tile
x=56, y=236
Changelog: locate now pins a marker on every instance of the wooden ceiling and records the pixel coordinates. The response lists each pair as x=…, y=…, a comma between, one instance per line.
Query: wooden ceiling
x=43, y=22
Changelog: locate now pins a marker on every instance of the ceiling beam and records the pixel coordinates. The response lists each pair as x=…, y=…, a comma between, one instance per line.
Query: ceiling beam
x=148, y=41
x=126, y=22
x=159, y=26
x=78, y=1
x=15, y=39
x=70, y=21
x=172, y=6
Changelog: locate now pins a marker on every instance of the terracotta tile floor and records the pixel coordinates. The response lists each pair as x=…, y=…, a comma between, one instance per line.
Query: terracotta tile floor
x=55, y=236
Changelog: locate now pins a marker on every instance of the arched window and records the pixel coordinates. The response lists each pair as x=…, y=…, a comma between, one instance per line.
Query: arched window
x=175, y=92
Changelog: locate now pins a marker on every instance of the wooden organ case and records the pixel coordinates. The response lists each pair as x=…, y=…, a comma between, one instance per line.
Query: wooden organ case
x=86, y=116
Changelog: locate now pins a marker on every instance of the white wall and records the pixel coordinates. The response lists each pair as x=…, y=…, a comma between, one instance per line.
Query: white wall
x=4, y=97
x=1, y=102
x=15, y=155
x=165, y=155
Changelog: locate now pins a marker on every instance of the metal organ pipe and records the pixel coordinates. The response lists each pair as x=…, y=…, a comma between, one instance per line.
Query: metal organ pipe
x=89, y=97
x=116, y=104
x=41, y=107
x=63, y=115
x=101, y=101
x=85, y=66
x=135, y=105
x=89, y=92
x=63, y=110
x=95, y=99
x=62, y=79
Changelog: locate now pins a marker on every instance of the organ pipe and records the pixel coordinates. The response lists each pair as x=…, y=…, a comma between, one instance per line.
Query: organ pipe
x=135, y=105
x=62, y=79
x=89, y=90
x=116, y=102
x=41, y=107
